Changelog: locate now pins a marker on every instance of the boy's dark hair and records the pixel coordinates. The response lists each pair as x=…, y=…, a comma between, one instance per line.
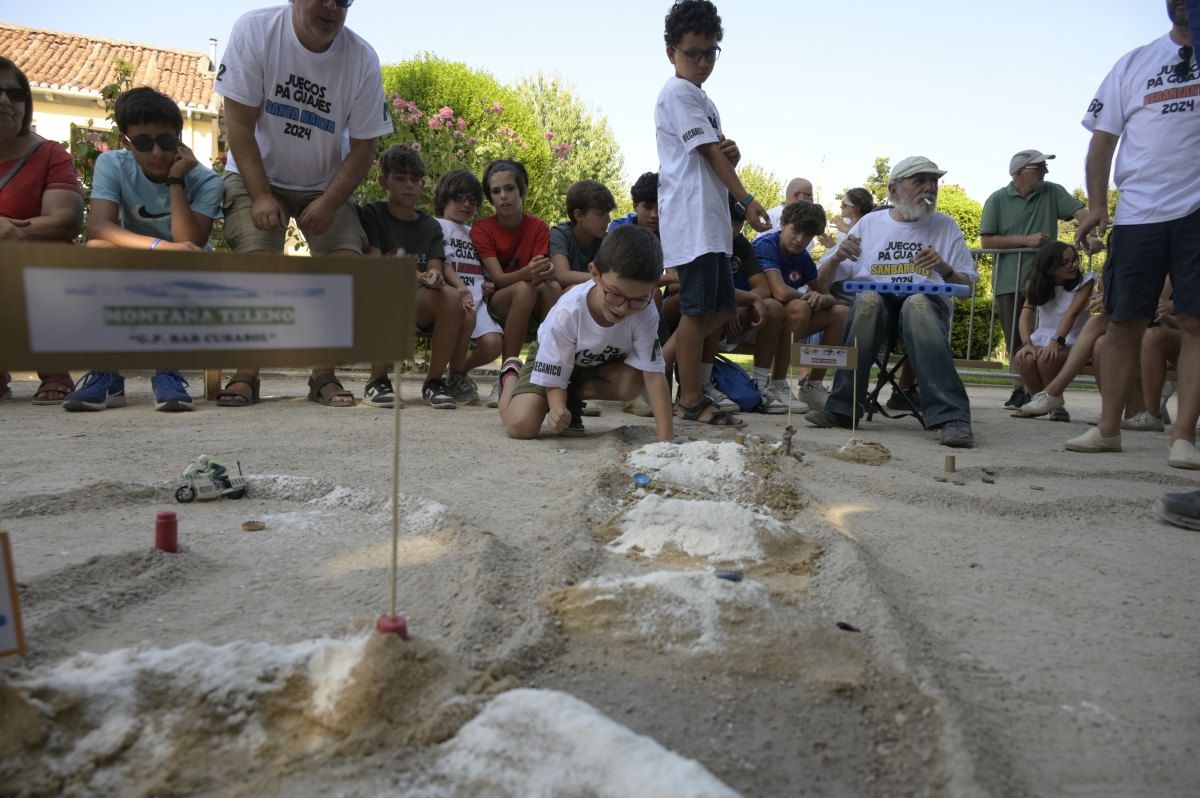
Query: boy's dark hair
x=861, y=199
x=584, y=195
x=645, y=189
x=453, y=183
x=692, y=16
x=23, y=82
x=1039, y=288
x=401, y=159
x=505, y=165
x=806, y=217
x=632, y=253
x=146, y=106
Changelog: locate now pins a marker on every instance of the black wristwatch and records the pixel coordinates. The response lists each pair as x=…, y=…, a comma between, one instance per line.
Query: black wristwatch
x=744, y=204
x=1061, y=340
x=174, y=181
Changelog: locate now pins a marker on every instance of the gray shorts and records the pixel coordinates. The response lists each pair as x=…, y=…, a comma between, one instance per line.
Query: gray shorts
x=346, y=232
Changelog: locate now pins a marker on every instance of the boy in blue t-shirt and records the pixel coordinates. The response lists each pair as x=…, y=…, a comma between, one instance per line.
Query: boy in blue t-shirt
x=153, y=194
x=644, y=194
x=791, y=276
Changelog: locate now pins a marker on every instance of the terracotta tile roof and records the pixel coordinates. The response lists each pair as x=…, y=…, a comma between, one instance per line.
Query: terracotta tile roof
x=71, y=61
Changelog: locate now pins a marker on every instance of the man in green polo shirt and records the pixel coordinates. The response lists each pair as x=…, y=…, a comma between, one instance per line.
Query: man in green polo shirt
x=1022, y=215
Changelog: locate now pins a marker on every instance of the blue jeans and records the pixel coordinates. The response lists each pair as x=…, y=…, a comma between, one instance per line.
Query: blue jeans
x=924, y=328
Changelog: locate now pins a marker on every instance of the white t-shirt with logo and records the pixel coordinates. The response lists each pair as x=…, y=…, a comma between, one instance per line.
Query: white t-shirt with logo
x=570, y=337
x=693, y=203
x=1157, y=117
x=311, y=104
x=1050, y=315
x=464, y=259
x=888, y=247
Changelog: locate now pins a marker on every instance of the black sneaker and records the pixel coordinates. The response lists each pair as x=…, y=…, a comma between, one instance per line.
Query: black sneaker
x=575, y=426
x=896, y=400
x=379, y=393
x=1019, y=398
x=437, y=395
x=827, y=419
x=1180, y=509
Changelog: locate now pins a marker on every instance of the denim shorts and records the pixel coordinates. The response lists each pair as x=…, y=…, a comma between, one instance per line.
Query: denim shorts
x=1141, y=256
x=706, y=286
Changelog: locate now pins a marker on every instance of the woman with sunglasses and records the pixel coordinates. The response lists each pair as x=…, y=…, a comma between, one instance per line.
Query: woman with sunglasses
x=40, y=198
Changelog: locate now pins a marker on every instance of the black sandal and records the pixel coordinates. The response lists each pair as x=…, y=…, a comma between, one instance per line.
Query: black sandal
x=719, y=418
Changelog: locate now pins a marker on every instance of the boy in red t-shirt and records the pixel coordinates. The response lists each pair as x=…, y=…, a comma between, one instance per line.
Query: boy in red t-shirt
x=513, y=246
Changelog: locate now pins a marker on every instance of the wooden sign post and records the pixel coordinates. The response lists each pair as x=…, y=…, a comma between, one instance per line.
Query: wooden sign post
x=12, y=636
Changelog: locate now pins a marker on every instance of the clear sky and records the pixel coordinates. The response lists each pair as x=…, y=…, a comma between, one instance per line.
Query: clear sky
x=806, y=89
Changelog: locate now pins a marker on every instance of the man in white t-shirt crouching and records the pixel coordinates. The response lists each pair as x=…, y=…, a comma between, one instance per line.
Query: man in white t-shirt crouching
x=910, y=243
x=304, y=107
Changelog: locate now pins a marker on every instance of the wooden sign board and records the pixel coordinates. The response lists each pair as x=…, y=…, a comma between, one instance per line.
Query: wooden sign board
x=64, y=307
x=12, y=637
x=824, y=357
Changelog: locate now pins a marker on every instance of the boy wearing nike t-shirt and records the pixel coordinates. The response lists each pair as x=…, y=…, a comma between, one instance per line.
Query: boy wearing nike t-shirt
x=153, y=194
x=599, y=341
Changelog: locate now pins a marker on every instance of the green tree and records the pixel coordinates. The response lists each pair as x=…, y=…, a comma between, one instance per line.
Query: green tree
x=461, y=118
x=583, y=146
x=764, y=185
x=877, y=182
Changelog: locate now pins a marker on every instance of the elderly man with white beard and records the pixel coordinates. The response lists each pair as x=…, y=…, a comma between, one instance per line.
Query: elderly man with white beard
x=912, y=242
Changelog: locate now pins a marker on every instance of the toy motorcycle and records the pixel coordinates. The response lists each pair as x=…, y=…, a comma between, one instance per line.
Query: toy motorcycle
x=198, y=483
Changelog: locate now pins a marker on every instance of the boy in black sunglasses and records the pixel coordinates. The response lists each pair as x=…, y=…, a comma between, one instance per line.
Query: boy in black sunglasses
x=153, y=194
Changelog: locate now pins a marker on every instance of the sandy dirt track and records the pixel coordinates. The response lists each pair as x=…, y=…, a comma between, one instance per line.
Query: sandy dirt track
x=1036, y=636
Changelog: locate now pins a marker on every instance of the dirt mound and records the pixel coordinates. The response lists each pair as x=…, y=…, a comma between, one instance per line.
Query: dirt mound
x=137, y=721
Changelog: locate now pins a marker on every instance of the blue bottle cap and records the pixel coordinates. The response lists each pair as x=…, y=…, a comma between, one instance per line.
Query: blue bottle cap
x=641, y=480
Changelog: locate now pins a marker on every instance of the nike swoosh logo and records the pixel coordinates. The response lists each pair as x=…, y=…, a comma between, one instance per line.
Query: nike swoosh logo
x=145, y=214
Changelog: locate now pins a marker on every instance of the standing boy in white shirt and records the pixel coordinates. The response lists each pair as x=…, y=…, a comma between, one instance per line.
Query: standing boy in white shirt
x=599, y=341
x=696, y=176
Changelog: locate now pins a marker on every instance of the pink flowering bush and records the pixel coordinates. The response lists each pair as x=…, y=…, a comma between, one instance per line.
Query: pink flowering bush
x=447, y=139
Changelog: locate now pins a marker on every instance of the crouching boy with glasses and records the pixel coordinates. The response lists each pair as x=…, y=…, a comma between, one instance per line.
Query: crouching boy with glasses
x=600, y=341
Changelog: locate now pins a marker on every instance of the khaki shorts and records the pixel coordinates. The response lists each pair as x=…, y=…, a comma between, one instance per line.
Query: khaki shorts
x=525, y=380
x=346, y=232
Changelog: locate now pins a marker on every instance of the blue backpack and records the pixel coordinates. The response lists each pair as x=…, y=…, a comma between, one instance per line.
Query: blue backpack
x=735, y=383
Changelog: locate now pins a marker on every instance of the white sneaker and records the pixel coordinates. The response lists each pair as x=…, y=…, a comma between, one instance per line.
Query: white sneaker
x=784, y=394
x=1144, y=421
x=772, y=403
x=1041, y=404
x=1183, y=454
x=719, y=399
x=639, y=407
x=493, y=398
x=813, y=393
x=1092, y=442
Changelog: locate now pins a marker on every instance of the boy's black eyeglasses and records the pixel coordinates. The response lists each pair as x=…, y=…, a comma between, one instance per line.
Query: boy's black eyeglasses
x=1181, y=69
x=617, y=300
x=146, y=143
x=464, y=199
x=15, y=94
x=694, y=56
x=343, y=3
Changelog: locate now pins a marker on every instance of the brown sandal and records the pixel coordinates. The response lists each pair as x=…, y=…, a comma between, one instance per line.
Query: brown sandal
x=230, y=397
x=319, y=381
x=53, y=384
